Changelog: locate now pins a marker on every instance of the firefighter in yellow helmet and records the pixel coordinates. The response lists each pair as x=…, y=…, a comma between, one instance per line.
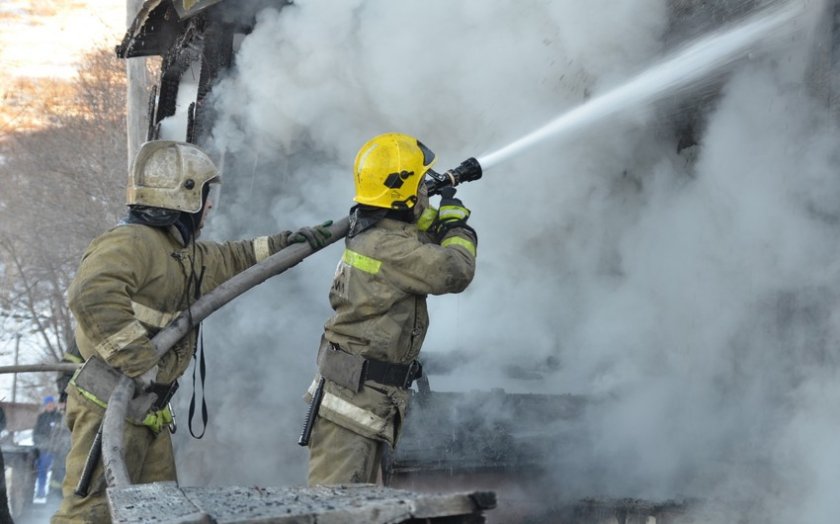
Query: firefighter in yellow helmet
x=398, y=251
x=132, y=281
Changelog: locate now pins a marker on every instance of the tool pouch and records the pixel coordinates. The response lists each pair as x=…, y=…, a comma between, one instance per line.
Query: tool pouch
x=335, y=365
x=96, y=380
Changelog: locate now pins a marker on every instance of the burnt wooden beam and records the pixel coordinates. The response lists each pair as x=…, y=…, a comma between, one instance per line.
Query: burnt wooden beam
x=350, y=504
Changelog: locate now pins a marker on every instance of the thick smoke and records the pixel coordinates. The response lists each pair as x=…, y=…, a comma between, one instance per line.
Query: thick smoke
x=690, y=293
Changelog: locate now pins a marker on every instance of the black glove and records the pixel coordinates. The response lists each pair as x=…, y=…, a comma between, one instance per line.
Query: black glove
x=316, y=236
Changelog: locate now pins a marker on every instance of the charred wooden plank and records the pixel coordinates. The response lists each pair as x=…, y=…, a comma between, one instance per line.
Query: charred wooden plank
x=352, y=504
x=160, y=502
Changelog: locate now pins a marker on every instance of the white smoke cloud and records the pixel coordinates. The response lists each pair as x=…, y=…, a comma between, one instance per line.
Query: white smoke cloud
x=694, y=300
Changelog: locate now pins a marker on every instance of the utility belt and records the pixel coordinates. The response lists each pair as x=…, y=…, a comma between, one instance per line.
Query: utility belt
x=351, y=371
x=96, y=380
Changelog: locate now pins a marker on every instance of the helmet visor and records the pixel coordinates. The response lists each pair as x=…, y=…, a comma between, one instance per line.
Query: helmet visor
x=214, y=192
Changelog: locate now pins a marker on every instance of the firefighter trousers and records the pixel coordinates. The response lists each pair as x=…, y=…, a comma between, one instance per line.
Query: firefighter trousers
x=148, y=457
x=340, y=456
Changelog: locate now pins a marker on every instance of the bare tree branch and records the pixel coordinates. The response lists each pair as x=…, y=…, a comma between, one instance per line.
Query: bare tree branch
x=63, y=185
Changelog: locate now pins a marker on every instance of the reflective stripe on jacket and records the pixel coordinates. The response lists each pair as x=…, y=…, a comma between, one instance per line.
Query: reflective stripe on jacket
x=381, y=283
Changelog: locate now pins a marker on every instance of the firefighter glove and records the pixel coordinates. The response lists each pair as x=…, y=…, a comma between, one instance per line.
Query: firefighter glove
x=427, y=219
x=452, y=212
x=316, y=236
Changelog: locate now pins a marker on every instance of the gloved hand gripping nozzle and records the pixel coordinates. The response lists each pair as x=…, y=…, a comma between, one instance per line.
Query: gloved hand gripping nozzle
x=468, y=171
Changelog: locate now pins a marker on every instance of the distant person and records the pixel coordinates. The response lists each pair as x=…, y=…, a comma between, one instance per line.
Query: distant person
x=132, y=281
x=47, y=427
x=396, y=253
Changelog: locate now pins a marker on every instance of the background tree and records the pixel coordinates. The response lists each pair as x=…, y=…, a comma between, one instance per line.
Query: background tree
x=62, y=185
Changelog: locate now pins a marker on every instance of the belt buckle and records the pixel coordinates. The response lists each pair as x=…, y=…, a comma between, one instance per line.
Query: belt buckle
x=410, y=374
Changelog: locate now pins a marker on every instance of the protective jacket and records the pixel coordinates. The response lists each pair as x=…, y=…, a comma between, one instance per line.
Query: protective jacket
x=379, y=297
x=135, y=279
x=132, y=281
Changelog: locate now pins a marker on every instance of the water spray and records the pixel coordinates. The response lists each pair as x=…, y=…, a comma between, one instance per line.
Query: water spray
x=690, y=65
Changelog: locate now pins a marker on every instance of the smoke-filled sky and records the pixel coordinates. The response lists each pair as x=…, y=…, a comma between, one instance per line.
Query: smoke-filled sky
x=692, y=293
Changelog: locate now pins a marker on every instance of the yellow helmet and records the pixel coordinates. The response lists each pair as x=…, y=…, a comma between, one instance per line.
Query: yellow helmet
x=389, y=169
x=170, y=175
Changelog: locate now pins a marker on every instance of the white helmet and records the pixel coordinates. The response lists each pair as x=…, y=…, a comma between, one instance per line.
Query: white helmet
x=170, y=175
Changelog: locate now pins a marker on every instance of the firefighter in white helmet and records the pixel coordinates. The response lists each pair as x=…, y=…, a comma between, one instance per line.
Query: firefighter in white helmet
x=133, y=280
x=398, y=251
